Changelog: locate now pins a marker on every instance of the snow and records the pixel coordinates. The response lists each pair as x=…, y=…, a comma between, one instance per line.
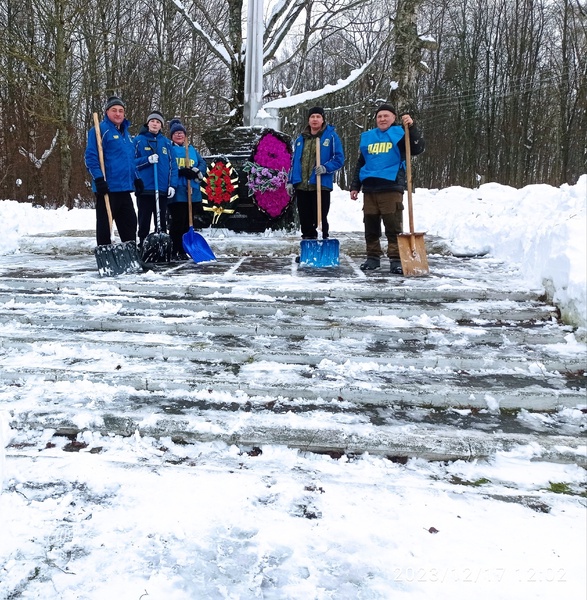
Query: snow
x=139, y=517
x=540, y=227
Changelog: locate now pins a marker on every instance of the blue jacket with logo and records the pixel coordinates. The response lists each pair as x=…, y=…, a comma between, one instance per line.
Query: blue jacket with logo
x=331, y=156
x=195, y=160
x=119, y=156
x=381, y=165
x=146, y=144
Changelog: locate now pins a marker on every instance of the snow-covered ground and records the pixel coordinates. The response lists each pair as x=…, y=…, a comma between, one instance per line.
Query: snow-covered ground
x=111, y=517
x=541, y=228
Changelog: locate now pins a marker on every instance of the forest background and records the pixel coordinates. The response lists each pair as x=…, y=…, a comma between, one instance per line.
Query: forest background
x=499, y=87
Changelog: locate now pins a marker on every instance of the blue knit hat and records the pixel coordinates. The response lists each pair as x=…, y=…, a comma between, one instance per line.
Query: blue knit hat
x=175, y=126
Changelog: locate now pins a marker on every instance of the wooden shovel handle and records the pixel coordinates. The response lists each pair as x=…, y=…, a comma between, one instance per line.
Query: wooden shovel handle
x=101, y=159
x=409, y=184
x=187, y=166
x=409, y=176
x=318, y=187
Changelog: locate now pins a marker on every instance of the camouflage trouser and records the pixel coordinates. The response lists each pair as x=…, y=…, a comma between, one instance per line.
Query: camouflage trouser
x=386, y=206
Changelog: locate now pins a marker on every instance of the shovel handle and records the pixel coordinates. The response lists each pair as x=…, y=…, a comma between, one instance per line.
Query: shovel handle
x=101, y=159
x=409, y=180
x=187, y=166
x=318, y=187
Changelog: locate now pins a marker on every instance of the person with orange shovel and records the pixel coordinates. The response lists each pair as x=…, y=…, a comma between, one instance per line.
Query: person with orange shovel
x=380, y=173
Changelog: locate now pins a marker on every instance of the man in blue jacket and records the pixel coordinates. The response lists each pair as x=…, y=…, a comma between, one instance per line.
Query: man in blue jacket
x=151, y=147
x=120, y=177
x=302, y=176
x=381, y=173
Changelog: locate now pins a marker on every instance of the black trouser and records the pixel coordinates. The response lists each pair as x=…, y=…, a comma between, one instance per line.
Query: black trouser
x=123, y=214
x=308, y=211
x=148, y=211
x=178, y=221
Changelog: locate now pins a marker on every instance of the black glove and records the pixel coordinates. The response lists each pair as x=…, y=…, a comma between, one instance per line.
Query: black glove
x=139, y=186
x=101, y=186
x=187, y=173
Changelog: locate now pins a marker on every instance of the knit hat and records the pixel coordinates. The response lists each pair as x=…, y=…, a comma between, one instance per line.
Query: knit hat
x=155, y=114
x=113, y=101
x=316, y=110
x=175, y=126
x=386, y=106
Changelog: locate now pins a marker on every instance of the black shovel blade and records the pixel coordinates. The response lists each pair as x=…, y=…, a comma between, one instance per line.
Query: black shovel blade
x=157, y=248
x=116, y=259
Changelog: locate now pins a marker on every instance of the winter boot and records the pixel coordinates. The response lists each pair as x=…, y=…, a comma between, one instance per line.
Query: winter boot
x=371, y=264
x=395, y=267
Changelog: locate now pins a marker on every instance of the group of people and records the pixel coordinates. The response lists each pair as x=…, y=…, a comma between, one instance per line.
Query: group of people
x=380, y=172
x=164, y=171
x=161, y=171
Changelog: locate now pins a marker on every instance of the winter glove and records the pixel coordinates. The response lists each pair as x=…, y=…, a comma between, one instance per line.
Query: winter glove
x=101, y=186
x=139, y=186
x=170, y=192
x=153, y=158
x=198, y=173
x=187, y=173
x=320, y=170
x=291, y=190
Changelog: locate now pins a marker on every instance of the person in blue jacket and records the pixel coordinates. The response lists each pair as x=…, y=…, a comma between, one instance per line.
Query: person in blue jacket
x=120, y=178
x=191, y=173
x=302, y=175
x=381, y=173
x=151, y=147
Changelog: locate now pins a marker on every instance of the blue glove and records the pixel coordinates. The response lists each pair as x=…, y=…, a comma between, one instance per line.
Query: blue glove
x=320, y=170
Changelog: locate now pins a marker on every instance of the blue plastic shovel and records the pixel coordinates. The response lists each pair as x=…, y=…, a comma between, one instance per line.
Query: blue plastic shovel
x=321, y=252
x=194, y=244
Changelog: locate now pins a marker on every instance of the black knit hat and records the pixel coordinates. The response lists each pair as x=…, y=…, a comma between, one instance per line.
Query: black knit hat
x=386, y=106
x=316, y=110
x=113, y=101
x=155, y=114
x=175, y=126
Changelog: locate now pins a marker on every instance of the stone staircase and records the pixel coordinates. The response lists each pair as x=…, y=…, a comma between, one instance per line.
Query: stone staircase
x=252, y=349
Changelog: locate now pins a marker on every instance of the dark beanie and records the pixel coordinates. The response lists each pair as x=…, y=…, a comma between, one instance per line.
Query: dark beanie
x=316, y=110
x=175, y=126
x=113, y=101
x=386, y=107
x=155, y=114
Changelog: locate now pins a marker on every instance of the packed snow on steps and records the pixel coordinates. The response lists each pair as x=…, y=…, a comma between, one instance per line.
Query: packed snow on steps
x=253, y=349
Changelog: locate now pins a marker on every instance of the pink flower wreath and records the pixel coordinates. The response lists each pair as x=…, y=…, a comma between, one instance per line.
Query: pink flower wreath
x=267, y=171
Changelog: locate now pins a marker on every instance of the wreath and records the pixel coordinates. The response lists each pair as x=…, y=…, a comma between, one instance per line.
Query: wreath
x=267, y=172
x=220, y=189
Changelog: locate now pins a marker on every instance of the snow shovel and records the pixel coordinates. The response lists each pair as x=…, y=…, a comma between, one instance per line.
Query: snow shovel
x=321, y=252
x=114, y=259
x=412, y=250
x=194, y=244
x=157, y=245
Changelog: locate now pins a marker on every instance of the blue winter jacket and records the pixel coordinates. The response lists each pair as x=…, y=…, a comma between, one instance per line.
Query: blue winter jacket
x=331, y=156
x=181, y=192
x=119, y=156
x=146, y=144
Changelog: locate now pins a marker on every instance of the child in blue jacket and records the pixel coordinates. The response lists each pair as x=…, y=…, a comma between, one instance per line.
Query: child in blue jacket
x=152, y=147
x=191, y=172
